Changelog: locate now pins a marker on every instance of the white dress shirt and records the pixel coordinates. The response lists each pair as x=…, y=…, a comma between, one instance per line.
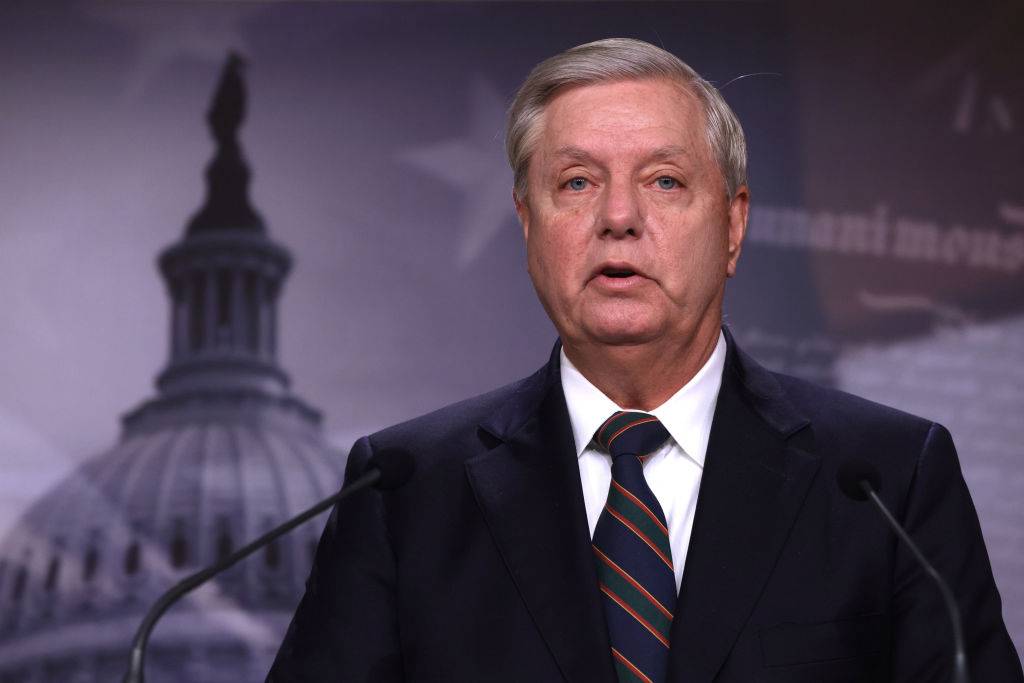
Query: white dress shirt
x=673, y=472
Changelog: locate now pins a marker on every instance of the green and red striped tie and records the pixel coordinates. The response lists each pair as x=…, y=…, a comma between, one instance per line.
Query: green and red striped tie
x=633, y=554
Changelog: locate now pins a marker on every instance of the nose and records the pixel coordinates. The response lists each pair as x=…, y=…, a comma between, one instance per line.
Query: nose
x=619, y=211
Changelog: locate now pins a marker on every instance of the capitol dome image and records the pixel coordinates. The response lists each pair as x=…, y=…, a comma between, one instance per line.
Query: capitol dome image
x=221, y=453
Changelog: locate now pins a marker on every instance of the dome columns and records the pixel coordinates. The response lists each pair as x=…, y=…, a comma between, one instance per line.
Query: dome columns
x=224, y=310
x=239, y=322
x=224, y=289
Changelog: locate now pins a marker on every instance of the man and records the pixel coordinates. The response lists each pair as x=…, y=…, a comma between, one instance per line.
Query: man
x=652, y=504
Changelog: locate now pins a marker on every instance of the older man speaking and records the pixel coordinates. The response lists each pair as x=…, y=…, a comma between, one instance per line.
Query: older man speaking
x=651, y=505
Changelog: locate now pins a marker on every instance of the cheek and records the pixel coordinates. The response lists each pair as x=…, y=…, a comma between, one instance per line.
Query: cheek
x=695, y=258
x=542, y=259
x=557, y=246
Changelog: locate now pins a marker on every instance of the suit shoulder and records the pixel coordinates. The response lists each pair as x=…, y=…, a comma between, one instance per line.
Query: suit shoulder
x=455, y=423
x=848, y=428
x=834, y=409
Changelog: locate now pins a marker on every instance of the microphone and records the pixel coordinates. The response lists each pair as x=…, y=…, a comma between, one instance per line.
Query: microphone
x=859, y=480
x=387, y=470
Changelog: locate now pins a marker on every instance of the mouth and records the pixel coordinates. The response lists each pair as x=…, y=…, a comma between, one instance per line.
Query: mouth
x=617, y=275
x=618, y=270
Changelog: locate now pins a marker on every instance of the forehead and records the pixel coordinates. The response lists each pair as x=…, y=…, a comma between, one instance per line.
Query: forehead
x=623, y=117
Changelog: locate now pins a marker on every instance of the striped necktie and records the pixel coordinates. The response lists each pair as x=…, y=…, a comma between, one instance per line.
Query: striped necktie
x=633, y=554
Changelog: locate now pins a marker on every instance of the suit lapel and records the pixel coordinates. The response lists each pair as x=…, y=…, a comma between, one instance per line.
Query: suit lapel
x=528, y=487
x=754, y=484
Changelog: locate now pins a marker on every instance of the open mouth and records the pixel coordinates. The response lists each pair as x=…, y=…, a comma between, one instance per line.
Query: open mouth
x=617, y=272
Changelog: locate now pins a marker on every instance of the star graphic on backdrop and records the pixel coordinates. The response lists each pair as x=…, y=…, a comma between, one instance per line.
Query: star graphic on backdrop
x=167, y=33
x=977, y=107
x=972, y=71
x=475, y=164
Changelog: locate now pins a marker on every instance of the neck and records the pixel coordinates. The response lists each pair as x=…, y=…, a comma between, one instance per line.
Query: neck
x=643, y=376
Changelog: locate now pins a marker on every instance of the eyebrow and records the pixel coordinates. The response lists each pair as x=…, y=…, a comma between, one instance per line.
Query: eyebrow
x=574, y=153
x=658, y=154
x=667, y=152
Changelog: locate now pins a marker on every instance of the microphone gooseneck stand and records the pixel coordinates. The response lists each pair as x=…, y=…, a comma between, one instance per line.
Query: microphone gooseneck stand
x=135, y=667
x=960, y=656
x=859, y=481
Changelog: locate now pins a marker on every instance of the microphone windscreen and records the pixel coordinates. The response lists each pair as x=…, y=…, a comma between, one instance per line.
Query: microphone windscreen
x=396, y=467
x=852, y=473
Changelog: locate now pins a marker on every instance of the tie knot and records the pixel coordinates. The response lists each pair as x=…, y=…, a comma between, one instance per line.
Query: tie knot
x=626, y=433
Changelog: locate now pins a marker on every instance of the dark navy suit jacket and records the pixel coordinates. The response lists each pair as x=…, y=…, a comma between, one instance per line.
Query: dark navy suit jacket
x=481, y=569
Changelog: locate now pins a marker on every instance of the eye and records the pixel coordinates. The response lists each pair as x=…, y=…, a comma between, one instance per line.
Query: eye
x=667, y=183
x=577, y=184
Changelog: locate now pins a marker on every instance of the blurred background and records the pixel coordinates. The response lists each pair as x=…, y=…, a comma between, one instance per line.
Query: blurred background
x=200, y=314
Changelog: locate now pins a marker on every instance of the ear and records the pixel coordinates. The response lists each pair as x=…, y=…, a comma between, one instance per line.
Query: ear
x=523, y=211
x=738, y=210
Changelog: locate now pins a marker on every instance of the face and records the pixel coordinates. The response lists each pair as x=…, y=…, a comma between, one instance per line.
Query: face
x=629, y=233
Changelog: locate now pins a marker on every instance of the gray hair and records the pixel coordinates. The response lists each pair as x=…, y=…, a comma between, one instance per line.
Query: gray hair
x=619, y=59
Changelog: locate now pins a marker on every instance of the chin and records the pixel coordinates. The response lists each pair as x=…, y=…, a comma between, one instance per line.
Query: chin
x=622, y=335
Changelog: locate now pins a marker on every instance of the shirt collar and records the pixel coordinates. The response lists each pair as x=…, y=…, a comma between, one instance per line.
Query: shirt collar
x=687, y=414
